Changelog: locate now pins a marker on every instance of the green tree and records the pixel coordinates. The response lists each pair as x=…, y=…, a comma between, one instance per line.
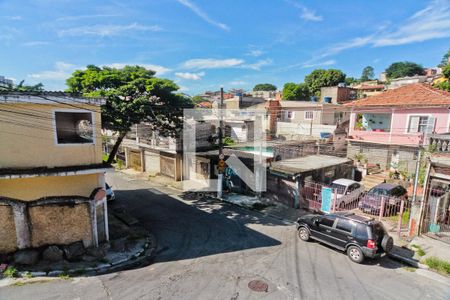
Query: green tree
x=265, y=87
x=293, y=91
x=445, y=60
x=320, y=78
x=403, y=69
x=445, y=85
x=197, y=99
x=133, y=95
x=367, y=73
x=350, y=80
x=22, y=87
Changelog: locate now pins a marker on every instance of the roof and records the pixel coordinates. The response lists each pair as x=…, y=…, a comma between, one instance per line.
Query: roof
x=369, y=87
x=11, y=173
x=47, y=97
x=295, y=166
x=418, y=94
x=344, y=181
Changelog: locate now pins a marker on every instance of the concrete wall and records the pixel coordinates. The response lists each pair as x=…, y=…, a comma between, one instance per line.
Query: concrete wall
x=57, y=224
x=383, y=155
x=284, y=128
x=37, y=187
x=8, y=242
x=30, y=141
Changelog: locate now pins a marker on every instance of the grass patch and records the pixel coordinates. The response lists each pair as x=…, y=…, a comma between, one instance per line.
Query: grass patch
x=438, y=265
x=405, y=217
x=409, y=269
x=418, y=250
x=10, y=272
x=64, y=276
x=105, y=157
x=27, y=275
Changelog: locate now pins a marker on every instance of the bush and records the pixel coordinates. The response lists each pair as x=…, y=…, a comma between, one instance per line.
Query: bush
x=437, y=264
x=10, y=272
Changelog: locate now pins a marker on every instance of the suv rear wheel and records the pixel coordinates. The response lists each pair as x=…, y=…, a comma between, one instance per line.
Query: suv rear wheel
x=355, y=254
x=303, y=234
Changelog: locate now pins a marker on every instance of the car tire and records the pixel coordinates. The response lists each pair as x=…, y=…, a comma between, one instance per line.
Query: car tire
x=303, y=234
x=355, y=254
x=387, y=243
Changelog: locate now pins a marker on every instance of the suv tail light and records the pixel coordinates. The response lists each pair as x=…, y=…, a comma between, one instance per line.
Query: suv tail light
x=371, y=244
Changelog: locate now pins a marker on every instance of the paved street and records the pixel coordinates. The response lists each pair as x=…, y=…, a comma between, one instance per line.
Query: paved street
x=212, y=251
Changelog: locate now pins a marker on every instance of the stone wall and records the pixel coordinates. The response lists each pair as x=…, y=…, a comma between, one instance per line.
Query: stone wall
x=8, y=242
x=60, y=224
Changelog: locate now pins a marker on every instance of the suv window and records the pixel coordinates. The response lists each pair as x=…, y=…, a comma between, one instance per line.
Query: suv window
x=361, y=232
x=328, y=221
x=398, y=191
x=344, y=225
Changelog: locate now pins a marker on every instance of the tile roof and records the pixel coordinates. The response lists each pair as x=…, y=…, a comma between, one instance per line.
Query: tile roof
x=417, y=94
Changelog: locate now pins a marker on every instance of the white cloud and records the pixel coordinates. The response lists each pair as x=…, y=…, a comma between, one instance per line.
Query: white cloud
x=35, y=43
x=158, y=69
x=432, y=22
x=199, y=12
x=306, y=13
x=61, y=71
x=81, y=17
x=106, y=30
x=190, y=76
x=258, y=65
x=211, y=63
x=255, y=53
x=238, y=82
x=318, y=64
x=14, y=18
x=310, y=15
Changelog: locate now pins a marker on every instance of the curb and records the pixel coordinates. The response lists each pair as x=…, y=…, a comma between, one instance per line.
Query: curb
x=141, y=257
x=409, y=261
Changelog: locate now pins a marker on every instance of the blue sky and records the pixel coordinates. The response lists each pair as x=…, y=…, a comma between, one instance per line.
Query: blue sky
x=203, y=44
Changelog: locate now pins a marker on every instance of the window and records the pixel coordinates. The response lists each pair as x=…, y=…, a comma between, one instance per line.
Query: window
x=361, y=232
x=417, y=124
x=309, y=115
x=328, y=221
x=290, y=115
x=74, y=127
x=344, y=225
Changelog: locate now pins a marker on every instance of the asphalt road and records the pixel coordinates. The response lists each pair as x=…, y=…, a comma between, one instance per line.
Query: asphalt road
x=213, y=250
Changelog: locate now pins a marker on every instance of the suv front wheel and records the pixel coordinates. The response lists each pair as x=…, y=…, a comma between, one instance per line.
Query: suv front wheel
x=303, y=234
x=355, y=254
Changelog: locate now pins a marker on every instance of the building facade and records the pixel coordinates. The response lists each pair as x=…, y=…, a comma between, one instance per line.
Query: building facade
x=52, y=179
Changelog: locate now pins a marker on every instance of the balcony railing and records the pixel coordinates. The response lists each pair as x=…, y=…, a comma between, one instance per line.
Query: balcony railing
x=440, y=142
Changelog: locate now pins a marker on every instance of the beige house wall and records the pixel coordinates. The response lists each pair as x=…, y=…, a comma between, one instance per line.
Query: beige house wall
x=46, y=186
x=29, y=138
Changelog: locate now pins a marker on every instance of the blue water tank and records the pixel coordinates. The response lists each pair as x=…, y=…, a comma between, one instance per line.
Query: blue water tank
x=313, y=98
x=327, y=99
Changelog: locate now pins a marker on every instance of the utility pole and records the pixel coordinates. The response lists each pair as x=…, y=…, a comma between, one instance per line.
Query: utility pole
x=221, y=156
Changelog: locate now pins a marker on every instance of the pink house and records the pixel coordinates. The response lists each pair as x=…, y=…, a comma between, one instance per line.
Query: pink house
x=388, y=128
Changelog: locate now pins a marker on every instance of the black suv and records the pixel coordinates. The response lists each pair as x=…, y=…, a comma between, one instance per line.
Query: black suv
x=359, y=236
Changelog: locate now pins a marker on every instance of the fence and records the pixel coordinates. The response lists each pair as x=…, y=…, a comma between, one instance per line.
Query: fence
x=394, y=212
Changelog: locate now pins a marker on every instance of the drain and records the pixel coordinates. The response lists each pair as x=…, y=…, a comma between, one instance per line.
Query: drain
x=258, y=286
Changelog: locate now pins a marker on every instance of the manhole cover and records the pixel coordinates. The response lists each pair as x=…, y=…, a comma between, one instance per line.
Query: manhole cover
x=258, y=286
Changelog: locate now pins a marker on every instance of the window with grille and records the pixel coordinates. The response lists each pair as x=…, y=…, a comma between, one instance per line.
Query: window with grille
x=309, y=115
x=417, y=124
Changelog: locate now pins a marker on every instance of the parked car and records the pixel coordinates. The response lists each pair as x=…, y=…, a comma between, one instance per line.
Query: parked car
x=347, y=191
x=109, y=193
x=393, y=194
x=358, y=236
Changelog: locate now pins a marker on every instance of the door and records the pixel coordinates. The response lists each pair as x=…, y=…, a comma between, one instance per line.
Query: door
x=342, y=233
x=325, y=228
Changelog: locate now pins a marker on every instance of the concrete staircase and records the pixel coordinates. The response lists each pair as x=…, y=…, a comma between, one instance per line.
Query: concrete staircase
x=372, y=180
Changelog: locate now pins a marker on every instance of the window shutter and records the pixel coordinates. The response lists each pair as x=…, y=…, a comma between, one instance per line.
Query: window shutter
x=430, y=125
x=413, y=124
